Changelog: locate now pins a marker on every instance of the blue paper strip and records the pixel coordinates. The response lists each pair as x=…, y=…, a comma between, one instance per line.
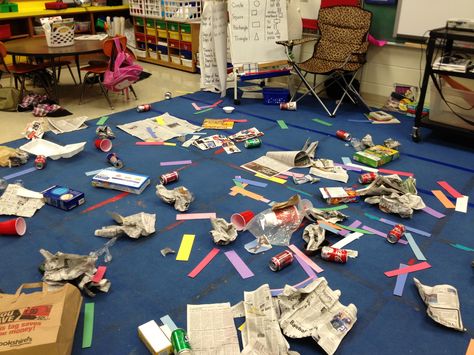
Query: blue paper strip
x=19, y=173
x=414, y=230
x=400, y=284
x=149, y=130
x=299, y=191
x=251, y=182
x=462, y=247
x=166, y=320
x=328, y=228
x=95, y=172
x=346, y=160
x=416, y=250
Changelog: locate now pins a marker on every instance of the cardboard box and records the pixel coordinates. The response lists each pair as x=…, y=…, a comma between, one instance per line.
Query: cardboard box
x=155, y=339
x=118, y=180
x=376, y=156
x=63, y=197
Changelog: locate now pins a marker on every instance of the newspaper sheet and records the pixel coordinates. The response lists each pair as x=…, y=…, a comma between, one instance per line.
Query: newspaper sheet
x=160, y=128
x=63, y=125
x=13, y=202
x=211, y=329
x=274, y=163
x=325, y=168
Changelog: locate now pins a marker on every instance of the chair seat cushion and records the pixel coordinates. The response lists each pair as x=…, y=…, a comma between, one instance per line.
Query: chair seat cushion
x=96, y=69
x=23, y=68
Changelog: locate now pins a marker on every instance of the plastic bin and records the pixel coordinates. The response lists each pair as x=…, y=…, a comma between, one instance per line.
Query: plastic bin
x=187, y=62
x=140, y=37
x=186, y=54
x=185, y=28
x=39, y=30
x=5, y=31
x=151, y=39
x=150, y=23
x=187, y=37
x=172, y=26
x=82, y=26
x=162, y=33
x=161, y=25
x=164, y=57
x=151, y=31
x=139, y=21
x=173, y=43
x=173, y=35
x=275, y=96
x=175, y=59
x=140, y=53
x=186, y=46
x=153, y=55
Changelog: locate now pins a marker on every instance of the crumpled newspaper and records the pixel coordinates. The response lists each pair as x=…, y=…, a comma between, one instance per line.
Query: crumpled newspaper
x=135, y=226
x=223, y=233
x=313, y=235
x=304, y=179
x=105, y=132
x=391, y=143
x=403, y=205
x=315, y=311
x=60, y=268
x=325, y=168
x=21, y=202
x=10, y=157
x=310, y=148
x=443, y=304
x=35, y=129
x=367, y=141
x=180, y=196
x=315, y=214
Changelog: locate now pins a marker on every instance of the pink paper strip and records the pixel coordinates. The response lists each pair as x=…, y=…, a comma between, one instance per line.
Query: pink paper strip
x=305, y=267
x=177, y=162
x=347, y=167
x=281, y=176
x=376, y=42
x=354, y=224
x=99, y=274
x=217, y=103
x=433, y=212
x=236, y=121
x=239, y=264
x=204, y=262
x=189, y=216
x=401, y=173
x=196, y=107
x=451, y=190
x=307, y=260
x=405, y=270
x=289, y=173
x=382, y=234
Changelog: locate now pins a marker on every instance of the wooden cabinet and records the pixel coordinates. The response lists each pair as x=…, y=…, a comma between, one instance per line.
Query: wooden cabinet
x=168, y=43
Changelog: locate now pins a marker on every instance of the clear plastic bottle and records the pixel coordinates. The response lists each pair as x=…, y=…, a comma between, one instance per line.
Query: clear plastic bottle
x=356, y=143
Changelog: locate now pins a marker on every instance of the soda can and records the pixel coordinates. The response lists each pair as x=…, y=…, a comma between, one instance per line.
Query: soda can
x=289, y=106
x=280, y=261
x=40, y=162
x=396, y=233
x=367, y=178
x=345, y=136
x=144, y=108
x=168, y=95
x=253, y=143
x=114, y=159
x=180, y=342
x=165, y=179
x=334, y=254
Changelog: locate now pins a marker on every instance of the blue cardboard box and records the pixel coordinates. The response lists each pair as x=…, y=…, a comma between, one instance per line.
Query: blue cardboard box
x=63, y=197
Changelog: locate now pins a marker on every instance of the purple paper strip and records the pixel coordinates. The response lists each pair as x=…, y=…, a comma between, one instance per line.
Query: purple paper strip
x=305, y=267
x=347, y=167
x=239, y=264
x=433, y=212
x=414, y=230
x=354, y=224
x=382, y=234
x=304, y=283
x=19, y=173
x=250, y=182
x=400, y=284
x=149, y=130
x=177, y=162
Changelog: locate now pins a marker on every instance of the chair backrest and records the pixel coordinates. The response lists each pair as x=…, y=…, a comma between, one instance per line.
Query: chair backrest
x=3, y=54
x=108, y=45
x=343, y=31
x=331, y=3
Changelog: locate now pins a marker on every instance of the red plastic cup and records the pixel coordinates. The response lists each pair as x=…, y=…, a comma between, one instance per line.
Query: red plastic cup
x=103, y=144
x=240, y=220
x=15, y=226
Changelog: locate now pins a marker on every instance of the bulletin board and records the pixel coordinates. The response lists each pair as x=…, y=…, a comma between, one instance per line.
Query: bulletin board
x=383, y=21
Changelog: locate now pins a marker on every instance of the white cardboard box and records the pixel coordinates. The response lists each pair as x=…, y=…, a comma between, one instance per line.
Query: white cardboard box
x=155, y=340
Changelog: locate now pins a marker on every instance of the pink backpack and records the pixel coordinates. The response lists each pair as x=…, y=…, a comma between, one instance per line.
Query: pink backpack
x=121, y=72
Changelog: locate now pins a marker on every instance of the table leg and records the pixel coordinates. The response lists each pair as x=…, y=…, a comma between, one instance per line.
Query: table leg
x=78, y=66
x=55, y=80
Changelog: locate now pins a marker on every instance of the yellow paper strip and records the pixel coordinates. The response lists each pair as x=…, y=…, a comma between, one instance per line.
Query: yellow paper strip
x=241, y=327
x=170, y=144
x=443, y=199
x=160, y=121
x=274, y=179
x=185, y=247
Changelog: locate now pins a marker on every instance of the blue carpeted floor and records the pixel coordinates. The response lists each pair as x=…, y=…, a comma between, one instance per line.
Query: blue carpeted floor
x=146, y=285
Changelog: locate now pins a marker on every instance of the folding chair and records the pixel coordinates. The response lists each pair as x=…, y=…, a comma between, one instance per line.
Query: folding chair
x=339, y=53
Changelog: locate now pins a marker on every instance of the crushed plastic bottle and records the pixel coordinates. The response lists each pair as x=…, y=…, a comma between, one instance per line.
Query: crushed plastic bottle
x=357, y=144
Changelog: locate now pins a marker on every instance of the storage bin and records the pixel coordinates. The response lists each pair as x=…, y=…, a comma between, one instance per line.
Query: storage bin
x=152, y=47
x=172, y=26
x=139, y=21
x=61, y=35
x=173, y=35
x=175, y=59
x=151, y=31
x=140, y=53
x=151, y=39
x=173, y=43
x=140, y=37
x=82, y=26
x=150, y=23
x=162, y=49
x=38, y=30
x=5, y=31
x=185, y=28
x=162, y=33
x=186, y=54
x=187, y=37
x=187, y=62
x=186, y=46
x=275, y=96
x=161, y=25
x=164, y=57
x=153, y=55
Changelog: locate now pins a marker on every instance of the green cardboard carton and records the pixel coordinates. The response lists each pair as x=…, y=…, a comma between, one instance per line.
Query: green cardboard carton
x=376, y=156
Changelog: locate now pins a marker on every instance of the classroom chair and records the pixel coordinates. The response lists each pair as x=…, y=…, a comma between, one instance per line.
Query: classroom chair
x=339, y=53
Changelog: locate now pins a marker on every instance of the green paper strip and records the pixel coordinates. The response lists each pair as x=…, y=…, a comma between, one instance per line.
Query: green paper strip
x=363, y=231
x=462, y=247
x=299, y=191
x=102, y=120
x=335, y=208
x=202, y=111
x=88, y=325
x=238, y=183
x=325, y=123
x=371, y=216
x=282, y=124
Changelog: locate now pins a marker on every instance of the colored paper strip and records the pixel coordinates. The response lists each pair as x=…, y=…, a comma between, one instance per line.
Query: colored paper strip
x=202, y=111
x=88, y=329
x=346, y=240
x=307, y=260
x=416, y=249
x=102, y=120
x=299, y=191
x=408, y=228
x=282, y=124
x=443, y=199
x=106, y=202
x=151, y=132
x=99, y=274
x=335, y=208
x=195, y=105
x=217, y=103
x=185, y=247
x=190, y=216
x=304, y=283
x=354, y=224
x=462, y=247
x=219, y=151
x=270, y=178
x=325, y=123
x=251, y=182
x=289, y=173
x=204, y=262
x=166, y=320
x=281, y=176
x=362, y=167
x=237, y=183
x=416, y=267
x=239, y=264
x=236, y=121
x=176, y=162
x=307, y=269
x=400, y=284
x=451, y=190
x=346, y=160
x=95, y=172
x=461, y=204
x=244, y=192
x=390, y=172
x=433, y=212
x=20, y=173
x=470, y=348
x=348, y=167
x=371, y=216
x=328, y=227
x=160, y=120
x=382, y=234
x=149, y=143
x=242, y=326
x=357, y=230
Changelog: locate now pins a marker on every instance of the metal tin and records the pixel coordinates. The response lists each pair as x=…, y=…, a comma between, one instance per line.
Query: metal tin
x=334, y=254
x=345, y=136
x=40, y=162
x=289, y=106
x=180, y=342
x=396, y=233
x=253, y=143
x=114, y=159
x=367, y=178
x=280, y=261
x=168, y=95
x=169, y=177
x=144, y=108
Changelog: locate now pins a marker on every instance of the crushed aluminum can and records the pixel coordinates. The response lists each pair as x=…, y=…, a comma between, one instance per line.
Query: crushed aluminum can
x=280, y=261
x=114, y=159
x=367, y=178
x=396, y=233
x=289, y=106
x=168, y=95
x=105, y=132
x=169, y=177
x=144, y=108
x=337, y=255
x=345, y=136
x=40, y=162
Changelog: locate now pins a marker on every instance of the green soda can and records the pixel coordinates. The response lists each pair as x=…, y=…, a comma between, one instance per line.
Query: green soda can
x=253, y=143
x=180, y=342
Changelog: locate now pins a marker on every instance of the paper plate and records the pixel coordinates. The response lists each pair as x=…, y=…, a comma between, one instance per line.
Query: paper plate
x=52, y=150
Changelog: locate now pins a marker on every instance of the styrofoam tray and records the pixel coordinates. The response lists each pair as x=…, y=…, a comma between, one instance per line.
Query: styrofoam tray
x=52, y=150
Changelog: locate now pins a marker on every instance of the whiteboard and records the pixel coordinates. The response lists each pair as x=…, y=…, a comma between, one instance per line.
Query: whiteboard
x=255, y=26
x=416, y=17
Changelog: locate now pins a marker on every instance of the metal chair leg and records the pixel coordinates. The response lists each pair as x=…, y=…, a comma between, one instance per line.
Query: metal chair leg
x=83, y=90
x=105, y=94
x=133, y=92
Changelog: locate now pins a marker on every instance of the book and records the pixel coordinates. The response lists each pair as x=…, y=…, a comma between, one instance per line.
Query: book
x=118, y=180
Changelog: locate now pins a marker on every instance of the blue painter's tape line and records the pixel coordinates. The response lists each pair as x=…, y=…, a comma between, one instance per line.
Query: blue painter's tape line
x=19, y=173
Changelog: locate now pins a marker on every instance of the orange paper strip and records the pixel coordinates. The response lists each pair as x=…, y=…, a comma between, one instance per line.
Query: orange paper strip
x=243, y=192
x=470, y=348
x=443, y=199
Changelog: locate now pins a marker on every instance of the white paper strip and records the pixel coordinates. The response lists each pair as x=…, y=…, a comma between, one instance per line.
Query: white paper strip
x=346, y=240
x=461, y=204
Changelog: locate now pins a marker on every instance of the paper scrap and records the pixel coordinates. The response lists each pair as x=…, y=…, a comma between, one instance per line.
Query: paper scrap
x=274, y=179
x=195, y=105
x=160, y=121
x=239, y=264
x=462, y=247
x=325, y=123
x=307, y=260
x=362, y=167
x=238, y=183
x=307, y=269
x=88, y=325
x=391, y=172
x=470, y=347
x=211, y=123
x=433, y=212
x=416, y=250
x=238, y=190
x=354, y=224
x=177, y=162
x=151, y=132
x=202, y=111
x=416, y=267
x=290, y=173
x=99, y=274
x=451, y=190
x=95, y=172
x=166, y=320
x=20, y=173
x=102, y=120
x=400, y=284
x=299, y=191
x=346, y=160
x=282, y=124
x=461, y=204
x=203, y=263
x=185, y=247
x=106, y=202
x=357, y=230
x=156, y=143
x=335, y=208
x=250, y=182
x=346, y=240
x=190, y=216
x=443, y=199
